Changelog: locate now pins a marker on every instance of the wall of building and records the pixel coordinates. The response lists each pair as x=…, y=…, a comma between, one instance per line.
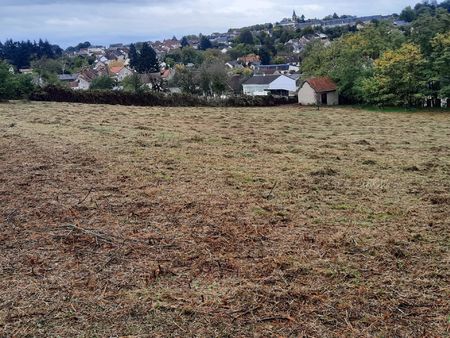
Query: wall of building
x=333, y=98
x=307, y=95
x=284, y=83
x=255, y=90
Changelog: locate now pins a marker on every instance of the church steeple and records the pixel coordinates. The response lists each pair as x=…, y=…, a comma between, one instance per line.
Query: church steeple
x=294, y=16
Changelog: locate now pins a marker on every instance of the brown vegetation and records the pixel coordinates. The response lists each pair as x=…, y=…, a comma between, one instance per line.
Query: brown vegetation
x=223, y=221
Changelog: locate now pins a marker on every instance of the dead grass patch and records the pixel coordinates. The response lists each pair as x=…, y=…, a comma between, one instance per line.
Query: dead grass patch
x=226, y=222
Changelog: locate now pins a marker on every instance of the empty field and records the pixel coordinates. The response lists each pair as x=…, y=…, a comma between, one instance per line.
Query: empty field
x=288, y=221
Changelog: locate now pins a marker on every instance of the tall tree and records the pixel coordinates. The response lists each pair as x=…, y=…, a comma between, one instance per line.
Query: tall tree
x=398, y=77
x=408, y=14
x=246, y=37
x=213, y=78
x=184, y=42
x=426, y=26
x=440, y=59
x=148, y=61
x=133, y=56
x=205, y=43
x=265, y=56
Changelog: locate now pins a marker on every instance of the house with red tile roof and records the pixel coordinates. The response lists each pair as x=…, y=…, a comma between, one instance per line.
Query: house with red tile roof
x=120, y=72
x=318, y=91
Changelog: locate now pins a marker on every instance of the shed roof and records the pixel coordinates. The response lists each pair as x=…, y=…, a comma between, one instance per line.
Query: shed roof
x=322, y=84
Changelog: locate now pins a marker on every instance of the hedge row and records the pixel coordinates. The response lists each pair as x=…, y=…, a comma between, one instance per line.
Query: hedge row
x=58, y=94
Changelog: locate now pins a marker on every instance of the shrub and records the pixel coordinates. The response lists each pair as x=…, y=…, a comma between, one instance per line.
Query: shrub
x=58, y=94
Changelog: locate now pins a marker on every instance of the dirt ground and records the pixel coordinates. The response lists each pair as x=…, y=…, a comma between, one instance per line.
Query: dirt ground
x=232, y=222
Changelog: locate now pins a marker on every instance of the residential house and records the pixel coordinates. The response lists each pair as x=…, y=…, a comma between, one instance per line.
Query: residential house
x=280, y=85
x=167, y=74
x=115, y=55
x=84, y=79
x=67, y=77
x=234, y=64
x=258, y=85
x=318, y=91
x=249, y=59
x=120, y=72
x=284, y=85
x=272, y=69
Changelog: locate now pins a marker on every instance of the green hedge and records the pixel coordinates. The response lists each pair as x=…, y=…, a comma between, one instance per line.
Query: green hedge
x=58, y=94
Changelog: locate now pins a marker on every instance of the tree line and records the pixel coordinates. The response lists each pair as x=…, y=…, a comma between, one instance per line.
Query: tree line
x=20, y=54
x=385, y=65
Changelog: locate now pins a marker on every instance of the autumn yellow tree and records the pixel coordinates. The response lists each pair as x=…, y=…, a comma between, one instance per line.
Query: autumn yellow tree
x=398, y=77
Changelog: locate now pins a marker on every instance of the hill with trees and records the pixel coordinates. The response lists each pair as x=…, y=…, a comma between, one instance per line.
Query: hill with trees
x=385, y=65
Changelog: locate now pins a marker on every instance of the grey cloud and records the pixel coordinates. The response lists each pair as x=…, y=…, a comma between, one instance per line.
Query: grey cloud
x=105, y=21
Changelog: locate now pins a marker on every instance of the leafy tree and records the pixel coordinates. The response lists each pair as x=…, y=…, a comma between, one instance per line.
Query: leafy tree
x=190, y=55
x=408, y=14
x=103, y=82
x=398, y=77
x=241, y=50
x=349, y=59
x=212, y=55
x=132, y=83
x=445, y=4
x=246, y=37
x=186, y=79
x=213, y=78
x=14, y=86
x=6, y=82
x=47, y=66
x=205, y=43
x=170, y=62
x=278, y=60
x=81, y=45
x=426, y=26
x=440, y=62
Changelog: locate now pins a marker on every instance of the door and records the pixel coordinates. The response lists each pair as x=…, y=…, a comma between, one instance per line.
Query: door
x=324, y=99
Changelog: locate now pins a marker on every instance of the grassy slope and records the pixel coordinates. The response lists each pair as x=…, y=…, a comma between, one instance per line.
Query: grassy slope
x=215, y=222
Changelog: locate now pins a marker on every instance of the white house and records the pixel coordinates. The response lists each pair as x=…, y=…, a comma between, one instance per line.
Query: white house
x=262, y=85
x=284, y=83
x=258, y=85
x=318, y=91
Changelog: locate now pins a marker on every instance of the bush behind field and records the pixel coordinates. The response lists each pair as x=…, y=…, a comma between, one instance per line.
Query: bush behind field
x=58, y=94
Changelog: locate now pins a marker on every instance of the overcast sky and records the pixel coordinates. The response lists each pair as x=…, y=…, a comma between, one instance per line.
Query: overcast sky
x=67, y=22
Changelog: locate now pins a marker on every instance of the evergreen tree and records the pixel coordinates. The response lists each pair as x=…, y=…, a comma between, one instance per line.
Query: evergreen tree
x=265, y=55
x=133, y=56
x=205, y=43
x=184, y=42
x=148, y=61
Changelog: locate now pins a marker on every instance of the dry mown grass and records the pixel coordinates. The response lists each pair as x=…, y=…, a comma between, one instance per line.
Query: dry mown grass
x=223, y=222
